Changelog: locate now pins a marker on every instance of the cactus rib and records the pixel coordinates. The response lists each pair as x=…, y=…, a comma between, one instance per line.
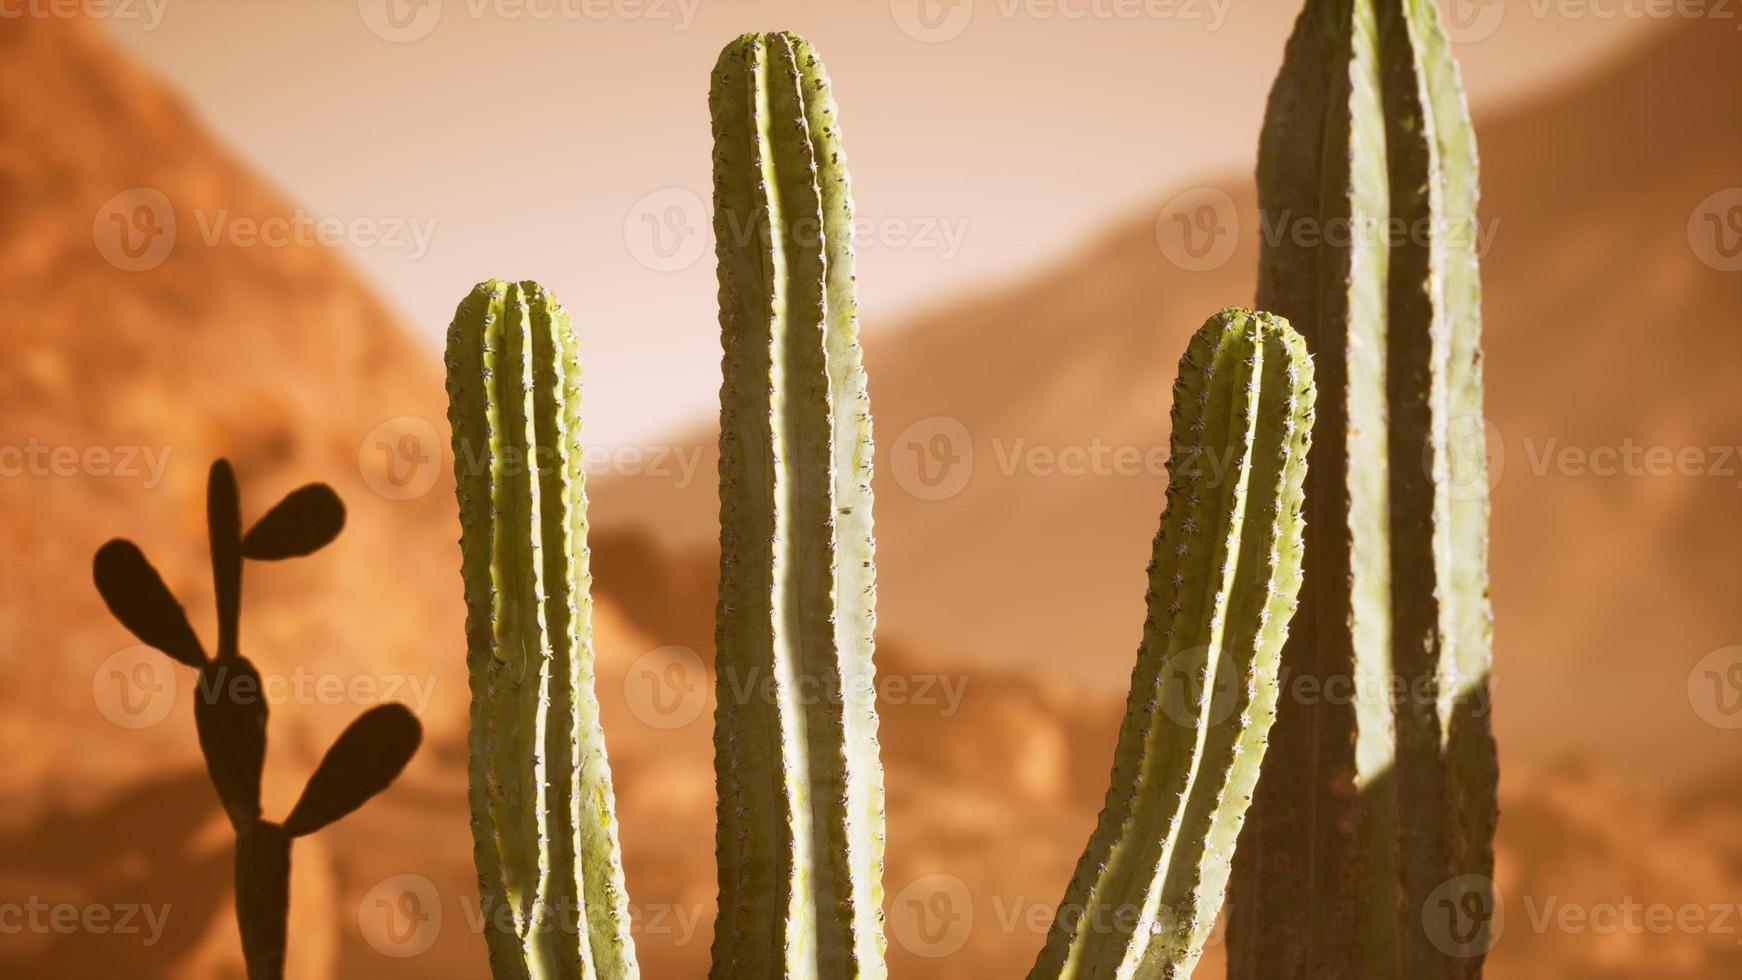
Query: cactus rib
x=1367, y=806
x=1222, y=587
x=800, y=835
x=549, y=864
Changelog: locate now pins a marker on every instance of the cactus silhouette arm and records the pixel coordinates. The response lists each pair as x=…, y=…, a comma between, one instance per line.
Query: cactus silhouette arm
x=542, y=810
x=305, y=521
x=800, y=844
x=1221, y=589
x=138, y=599
x=224, y=526
x=368, y=755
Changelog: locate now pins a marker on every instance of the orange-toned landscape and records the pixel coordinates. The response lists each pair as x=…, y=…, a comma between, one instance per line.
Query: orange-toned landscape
x=1010, y=599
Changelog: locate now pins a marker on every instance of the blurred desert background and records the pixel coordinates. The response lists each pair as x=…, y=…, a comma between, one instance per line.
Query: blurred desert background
x=1055, y=203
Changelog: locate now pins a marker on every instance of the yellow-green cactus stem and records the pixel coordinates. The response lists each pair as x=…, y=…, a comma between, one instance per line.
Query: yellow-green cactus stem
x=1373, y=800
x=800, y=831
x=1222, y=587
x=550, y=869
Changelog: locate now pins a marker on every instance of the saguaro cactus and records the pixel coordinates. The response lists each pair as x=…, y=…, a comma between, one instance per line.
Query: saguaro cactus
x=550, y=870
x=1380, y=791
x=1222, y=588
x=800, y=833
x=230, y=701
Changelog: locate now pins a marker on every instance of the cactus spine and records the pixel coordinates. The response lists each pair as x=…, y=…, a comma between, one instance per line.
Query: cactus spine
x=549, y=866
x=1222, y=587
x=1369, y=803
x=800, y=831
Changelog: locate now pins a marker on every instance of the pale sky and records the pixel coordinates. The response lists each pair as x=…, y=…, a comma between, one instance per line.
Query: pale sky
x=567, y=140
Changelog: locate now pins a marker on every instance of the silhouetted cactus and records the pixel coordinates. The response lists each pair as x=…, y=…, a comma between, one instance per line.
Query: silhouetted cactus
x=230, y=704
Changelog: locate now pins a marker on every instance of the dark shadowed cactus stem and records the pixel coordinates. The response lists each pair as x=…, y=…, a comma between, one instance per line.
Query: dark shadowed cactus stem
x=800, y=831
x=550, y=869
x=1377, y=807
x=230, y=710
x=1222, y=587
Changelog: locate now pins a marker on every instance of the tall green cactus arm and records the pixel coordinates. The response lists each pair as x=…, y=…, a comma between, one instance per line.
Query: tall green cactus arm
x=800, y=844
x=1371, y=801
x=549, y=865
x=1314, y=860
x=1222, y=587
x=1446, y=769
